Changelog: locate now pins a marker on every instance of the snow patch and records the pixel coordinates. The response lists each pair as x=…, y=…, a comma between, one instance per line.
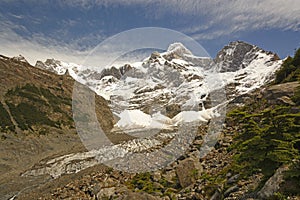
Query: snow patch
x=179, y=49
x=192, y=116
x=133, y=119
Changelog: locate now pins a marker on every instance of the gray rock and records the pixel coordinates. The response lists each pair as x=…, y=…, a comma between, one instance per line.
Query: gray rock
x=111, y=72
x=239, y=55
x=275, y=92
x=229, y=174
x=273, y=184
x=286, y=101
x=231, y=190
x=235, y=56
x=217, y=195
x=233, y=179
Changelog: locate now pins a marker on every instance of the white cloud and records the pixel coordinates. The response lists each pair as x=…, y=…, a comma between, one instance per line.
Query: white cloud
x=248, y=15
x=33, y=51
x=226, y=17
x=12, y=44
x=255, y=13
x=39, y=47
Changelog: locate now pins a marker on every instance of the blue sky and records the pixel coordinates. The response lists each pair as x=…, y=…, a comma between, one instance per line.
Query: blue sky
x=69, y=29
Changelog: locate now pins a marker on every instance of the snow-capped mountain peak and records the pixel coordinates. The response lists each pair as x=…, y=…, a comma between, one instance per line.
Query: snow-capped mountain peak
x=175, y=81
x=52, y=65
x=179, y=49
x=237, y=55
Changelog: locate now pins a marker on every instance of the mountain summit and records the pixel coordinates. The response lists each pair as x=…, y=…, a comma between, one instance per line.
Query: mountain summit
x=237, y=55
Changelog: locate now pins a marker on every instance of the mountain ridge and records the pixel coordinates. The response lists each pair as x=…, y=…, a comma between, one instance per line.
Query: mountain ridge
x=256, y=67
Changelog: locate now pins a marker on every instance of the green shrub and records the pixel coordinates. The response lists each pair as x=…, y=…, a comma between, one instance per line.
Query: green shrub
x=144, y=182
x=290, y=69
x=292, y=180
x=296, y=97
x=27, y=115
x=266, y=139
x=36, y=105
x=6, y=123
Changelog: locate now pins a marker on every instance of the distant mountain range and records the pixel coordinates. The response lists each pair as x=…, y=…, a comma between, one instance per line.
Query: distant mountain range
x=175, y=78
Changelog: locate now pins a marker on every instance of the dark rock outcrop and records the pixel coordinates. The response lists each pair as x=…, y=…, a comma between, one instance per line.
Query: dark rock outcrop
x=237, y=55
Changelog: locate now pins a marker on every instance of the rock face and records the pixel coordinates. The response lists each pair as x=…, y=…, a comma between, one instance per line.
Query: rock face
x=281, y=93
x=231, y=57
x=111, y=72
x=237, y=55
x=115, y=72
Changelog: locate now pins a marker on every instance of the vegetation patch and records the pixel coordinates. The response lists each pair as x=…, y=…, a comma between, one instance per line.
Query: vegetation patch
x=27, y=115
x=36, y=106
x=6, y=123
x=290, y=69
x=266, y=139
x=144, y=182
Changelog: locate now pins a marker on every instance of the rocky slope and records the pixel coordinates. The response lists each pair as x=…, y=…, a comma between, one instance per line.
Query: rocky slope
x=214, y=176
x=36, y=120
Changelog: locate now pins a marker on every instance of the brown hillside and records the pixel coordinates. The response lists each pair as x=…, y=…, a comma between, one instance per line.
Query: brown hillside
x=36, y=120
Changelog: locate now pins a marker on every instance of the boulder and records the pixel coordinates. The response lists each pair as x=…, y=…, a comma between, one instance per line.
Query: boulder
x=285, y=100
x=233, y=179
x=231, y=190
x=273, y=184
x=185, y=172
x=217, y=195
